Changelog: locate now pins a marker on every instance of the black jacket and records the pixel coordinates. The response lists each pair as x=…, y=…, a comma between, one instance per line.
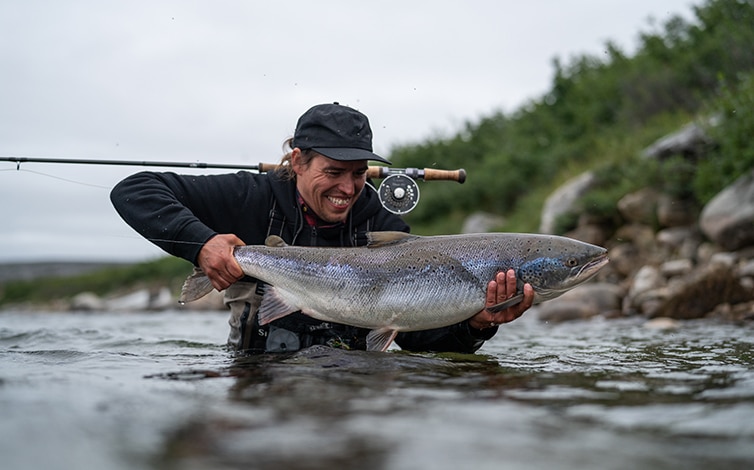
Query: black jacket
x=179, y=213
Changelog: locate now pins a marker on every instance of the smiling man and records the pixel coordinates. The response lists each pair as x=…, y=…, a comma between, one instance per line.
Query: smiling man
x=316, y=197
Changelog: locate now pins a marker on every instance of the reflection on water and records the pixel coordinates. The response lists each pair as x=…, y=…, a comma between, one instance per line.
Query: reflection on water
x=159, y=391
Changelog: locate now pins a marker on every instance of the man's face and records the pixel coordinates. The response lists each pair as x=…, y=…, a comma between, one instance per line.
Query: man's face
x=329, y=187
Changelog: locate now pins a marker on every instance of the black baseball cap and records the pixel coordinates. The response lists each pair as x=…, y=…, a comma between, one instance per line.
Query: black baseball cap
x=337, y=132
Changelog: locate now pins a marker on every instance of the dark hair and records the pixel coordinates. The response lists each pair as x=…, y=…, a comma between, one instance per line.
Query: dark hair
x=285, y=168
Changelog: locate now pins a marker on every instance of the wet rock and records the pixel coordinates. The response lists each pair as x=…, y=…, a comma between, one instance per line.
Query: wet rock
x=625, y=259
x=662, y=323
x=87, y=302
x=690, y=141
x=639, y=207
x=642, y=236
x=589, y=233
x=646, y=291
x=562, y=200
x=728, y=219
x=679, y=241
x=585, y=301
x=558, y=311
x=672, y=212
x=676, y=267
x=743, y=312
x=699, y=292
x=647, y=278
x=746, y=268
x=142, y=300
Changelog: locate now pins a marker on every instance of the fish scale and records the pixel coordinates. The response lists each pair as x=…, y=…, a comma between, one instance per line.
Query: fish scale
x=402, y=282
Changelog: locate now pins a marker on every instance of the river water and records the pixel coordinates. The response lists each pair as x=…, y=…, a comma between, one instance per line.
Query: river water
x=159, y=391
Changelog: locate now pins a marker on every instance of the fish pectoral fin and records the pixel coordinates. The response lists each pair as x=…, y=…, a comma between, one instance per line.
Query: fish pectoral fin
x=516, y=299
x=273, y=306
x=275, y=241
x=378, y=239
x=196, y=286
x=379, y=340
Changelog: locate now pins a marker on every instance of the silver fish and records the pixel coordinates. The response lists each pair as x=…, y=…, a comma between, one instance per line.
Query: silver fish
x=402, y=282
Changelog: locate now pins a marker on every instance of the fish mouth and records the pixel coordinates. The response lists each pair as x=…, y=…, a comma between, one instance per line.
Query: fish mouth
x=590, y=269
x=582, y=275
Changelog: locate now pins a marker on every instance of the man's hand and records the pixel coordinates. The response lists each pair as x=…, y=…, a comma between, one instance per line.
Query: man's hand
x=217, y=261
x=502, y=288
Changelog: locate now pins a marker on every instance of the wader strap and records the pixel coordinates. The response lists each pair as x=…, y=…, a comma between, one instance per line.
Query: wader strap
x=277, y=221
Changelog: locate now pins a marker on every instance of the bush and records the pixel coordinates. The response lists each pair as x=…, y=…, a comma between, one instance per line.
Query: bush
x=733, y=155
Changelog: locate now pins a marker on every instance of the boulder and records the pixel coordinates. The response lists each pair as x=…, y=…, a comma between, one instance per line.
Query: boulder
x=585, y=301
x=481, y=222
x=672, y=212
x=689, y=141
x=563, y=199
x=639, y=207
x=646, y=290
x=701, y=291
x=87, y=302
x=681, y=242
x=728, y=219
x=625, y=259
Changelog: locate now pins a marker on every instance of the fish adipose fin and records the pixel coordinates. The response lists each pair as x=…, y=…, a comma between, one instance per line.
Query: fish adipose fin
x=516, y=299
x=273, y=306
x=196, y=286
x=379, y=340
x=387, y=238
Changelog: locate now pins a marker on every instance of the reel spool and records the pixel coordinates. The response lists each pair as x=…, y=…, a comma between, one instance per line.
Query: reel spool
x=398, y=193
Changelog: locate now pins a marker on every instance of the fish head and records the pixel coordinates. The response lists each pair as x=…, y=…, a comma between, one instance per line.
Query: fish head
x=561, y=266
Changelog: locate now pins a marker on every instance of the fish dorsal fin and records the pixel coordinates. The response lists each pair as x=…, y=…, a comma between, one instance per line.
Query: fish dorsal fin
x=378, y=239
x=275, y=241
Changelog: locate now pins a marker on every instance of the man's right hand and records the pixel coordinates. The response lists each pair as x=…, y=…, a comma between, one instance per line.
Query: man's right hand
x=217, y=261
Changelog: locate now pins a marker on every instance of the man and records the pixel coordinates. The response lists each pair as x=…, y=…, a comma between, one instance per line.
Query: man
x=316, y=198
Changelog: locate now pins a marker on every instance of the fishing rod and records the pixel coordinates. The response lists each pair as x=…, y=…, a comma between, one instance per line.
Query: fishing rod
x=398, y=191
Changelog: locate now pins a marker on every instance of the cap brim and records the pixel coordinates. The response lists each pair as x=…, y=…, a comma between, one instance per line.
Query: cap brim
x=349, y=154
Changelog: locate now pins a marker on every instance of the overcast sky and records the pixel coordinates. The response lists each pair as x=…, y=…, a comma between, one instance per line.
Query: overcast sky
x=224, y=81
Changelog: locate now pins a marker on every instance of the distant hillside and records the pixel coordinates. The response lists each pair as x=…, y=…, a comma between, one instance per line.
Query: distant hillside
x=38, y=283
x=36, y=270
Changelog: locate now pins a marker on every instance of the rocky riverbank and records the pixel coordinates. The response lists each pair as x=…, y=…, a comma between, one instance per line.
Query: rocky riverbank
x=669, y=259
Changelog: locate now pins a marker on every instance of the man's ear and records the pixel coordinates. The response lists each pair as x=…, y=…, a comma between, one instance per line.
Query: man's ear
x=296, y=161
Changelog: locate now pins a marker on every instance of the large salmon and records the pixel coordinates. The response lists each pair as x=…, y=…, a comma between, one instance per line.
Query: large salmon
x=402, y=282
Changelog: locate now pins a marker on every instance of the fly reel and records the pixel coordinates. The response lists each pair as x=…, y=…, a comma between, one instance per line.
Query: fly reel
x=398, y=193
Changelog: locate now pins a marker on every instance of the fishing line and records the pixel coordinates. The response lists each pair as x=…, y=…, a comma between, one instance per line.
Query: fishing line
x=92, y=185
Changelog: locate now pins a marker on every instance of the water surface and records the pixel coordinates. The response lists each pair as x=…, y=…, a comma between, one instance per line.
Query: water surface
x=159, y=390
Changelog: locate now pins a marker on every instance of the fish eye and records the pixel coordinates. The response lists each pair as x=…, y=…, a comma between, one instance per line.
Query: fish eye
x=572, y=262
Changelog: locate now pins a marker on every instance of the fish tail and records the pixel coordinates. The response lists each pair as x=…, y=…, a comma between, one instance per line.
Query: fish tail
x=196, y=286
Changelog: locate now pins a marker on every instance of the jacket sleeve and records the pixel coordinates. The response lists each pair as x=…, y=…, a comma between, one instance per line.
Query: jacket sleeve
x=460, y=338
x=179, y=213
